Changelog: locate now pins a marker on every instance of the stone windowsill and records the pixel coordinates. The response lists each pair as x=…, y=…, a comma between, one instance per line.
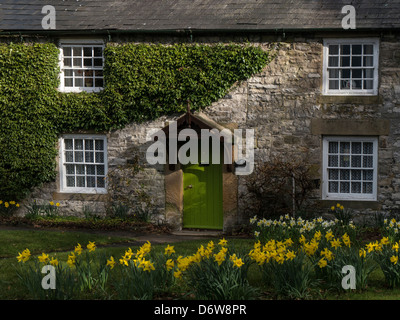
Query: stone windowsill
x=79, y=196
x=351, y=204
x=348, y=99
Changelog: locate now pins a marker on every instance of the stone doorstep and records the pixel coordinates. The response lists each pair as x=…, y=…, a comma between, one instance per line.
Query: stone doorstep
x=198, y=233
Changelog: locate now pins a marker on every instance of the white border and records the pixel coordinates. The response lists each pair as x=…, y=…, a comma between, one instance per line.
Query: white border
x=365, y=92
x=77, y=42
x=63, y=187
x=341, y=196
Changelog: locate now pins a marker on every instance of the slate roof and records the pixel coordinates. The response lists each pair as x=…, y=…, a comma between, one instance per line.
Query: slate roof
x=197, y=15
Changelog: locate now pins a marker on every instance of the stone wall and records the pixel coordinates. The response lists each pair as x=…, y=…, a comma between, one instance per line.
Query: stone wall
x=284, y=106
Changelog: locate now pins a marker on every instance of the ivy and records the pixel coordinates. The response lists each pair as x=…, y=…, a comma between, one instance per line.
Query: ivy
x=142, y=82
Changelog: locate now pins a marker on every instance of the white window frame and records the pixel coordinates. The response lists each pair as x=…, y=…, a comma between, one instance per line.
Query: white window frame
x=78, y=43
x=344, y=92
x=62, y=163
x=349, y=196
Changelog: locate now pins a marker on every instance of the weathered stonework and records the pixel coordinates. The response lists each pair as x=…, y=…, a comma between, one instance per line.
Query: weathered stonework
x=285, y=107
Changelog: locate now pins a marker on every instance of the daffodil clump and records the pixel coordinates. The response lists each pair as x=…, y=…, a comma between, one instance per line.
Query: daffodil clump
x=391, y=229
x=7, y=208
x=216, y=272
x=386, y=253
x=289, y=227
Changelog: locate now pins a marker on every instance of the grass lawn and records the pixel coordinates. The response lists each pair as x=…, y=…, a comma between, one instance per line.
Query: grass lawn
x=61, y=243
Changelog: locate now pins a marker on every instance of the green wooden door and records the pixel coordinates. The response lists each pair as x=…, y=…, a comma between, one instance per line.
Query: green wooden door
x=202, y=196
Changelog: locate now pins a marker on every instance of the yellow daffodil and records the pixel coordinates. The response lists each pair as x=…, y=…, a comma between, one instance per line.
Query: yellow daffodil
x=57, y=204
x=54, y=262
x=346, y=240
x=178, y=274
x=394, y=259
x=24, y=256
x=169, y=264
x=333, y=208
x=169, y=250
x=395, y=247
x=384, y=240
x=51, y=203
x=370, y=247
x=223, y=242
x=91, y=246
x=238, y=263
x=322, y=263
x=329, y=235
x=78, y=249
x=43, y=258
x=290, y=255
x=111, y=262
x=362, y=253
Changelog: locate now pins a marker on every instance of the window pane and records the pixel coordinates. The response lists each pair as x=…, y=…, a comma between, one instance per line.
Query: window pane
x=77, y=51
x=356, y=187
x=368, y=61
x=333, y=147
x=333, y=187
x=345, y=61
x=68, y=144
x=334, y=73
x=355, y=175
x=90, y=182
x=87, y=51
x=344, y=187
x=356, y=84
x=97, y=51
x=98, y=83
x=345, y=161
x=98, y=62
x=89, y=144
x=91, y=169
x=333, y=84
x=99, y=144
x=100, y=170
x=344, y=147
x=89, y=157
x=356, y=147
x=78, y=156
x=99, y=157
x=356, y=73
x=70, y=181
x=66, y=51
x=367, y=187
x=77, y=62
x=356, y=61
x=80, y=169
x=78, y=82
x=68, y=82
x=78, y=144
x=368, y=84
x=344, y=174
x=67, y=62
x=87, y=62
x=368, y=147
x=80, y=181
x=367, y=162
x=333, y=49
x=333, y=161
x=368, y=49
x=70, y=169
x=88, y=82
x=368, y=73
x=356, y=161
x=356, y=49
x=69, y=156
x=345, y=49
x=368, y=175
x=333, y=62
x=100, y=182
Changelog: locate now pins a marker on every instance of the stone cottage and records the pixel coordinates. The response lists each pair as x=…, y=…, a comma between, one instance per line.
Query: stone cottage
x=332, y=90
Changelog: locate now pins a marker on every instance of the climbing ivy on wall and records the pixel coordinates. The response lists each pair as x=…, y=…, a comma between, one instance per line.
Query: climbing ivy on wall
x=142, y=82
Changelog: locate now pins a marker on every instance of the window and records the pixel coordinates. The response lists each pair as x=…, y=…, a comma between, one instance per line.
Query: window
x=81, y=67
x=350, y=67
x=350, y=168
x=83, y=164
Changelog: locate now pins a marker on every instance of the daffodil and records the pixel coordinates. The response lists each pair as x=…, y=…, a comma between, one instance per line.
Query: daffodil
x=362, y=253
x=394, y=259
x=54, y=262
x=335, y=243
x=178, y=274
x=43, y=258
x=290, y=255
x=238, y=263
x=223, y=242
x=78, y=249
x=91, y=246
x=24, y=256
x=169, y=264
x=384, y=240
x=322, y=263
x=111, y=262
x=169, y=250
